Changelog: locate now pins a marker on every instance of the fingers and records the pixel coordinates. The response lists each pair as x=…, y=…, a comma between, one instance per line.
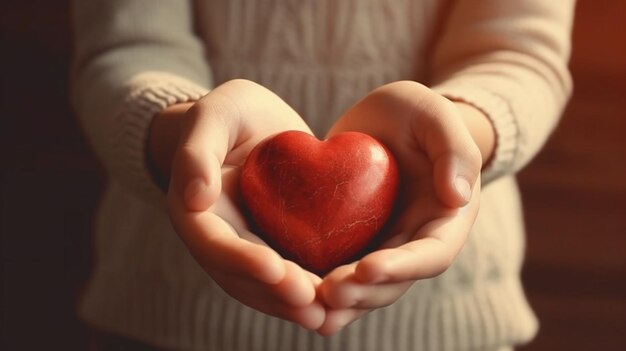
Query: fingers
x=430, y=251
x=420, y=259
x=341, y=289
x=293, y=298
x=293, y=290
x=348, y=299
x=337, y=288
x=310, y=317
x=215, y=245
x=338, y=319
x=296, y=288
x=252, y=273
x=383, y=276
x=262, y=297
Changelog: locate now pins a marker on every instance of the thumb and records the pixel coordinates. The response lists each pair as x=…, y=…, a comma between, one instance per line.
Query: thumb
x=197, y=182
x=456, y=158
x=455, y=178
x=203, y=145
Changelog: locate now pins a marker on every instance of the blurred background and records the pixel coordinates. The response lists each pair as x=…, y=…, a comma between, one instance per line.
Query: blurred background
x=574, y=191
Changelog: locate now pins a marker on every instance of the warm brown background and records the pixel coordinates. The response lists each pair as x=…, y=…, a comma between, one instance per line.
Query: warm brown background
x=575, y=191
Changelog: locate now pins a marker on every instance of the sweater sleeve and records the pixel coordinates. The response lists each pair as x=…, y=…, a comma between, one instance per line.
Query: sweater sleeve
x=132, y=59
x=509, y=60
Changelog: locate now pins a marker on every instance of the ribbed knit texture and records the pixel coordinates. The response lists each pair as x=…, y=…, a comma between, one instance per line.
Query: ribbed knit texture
x=148, y=93
x=135, y=57
x=152, y=290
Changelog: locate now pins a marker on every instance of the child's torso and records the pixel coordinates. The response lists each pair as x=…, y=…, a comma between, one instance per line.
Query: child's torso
x=320, y=56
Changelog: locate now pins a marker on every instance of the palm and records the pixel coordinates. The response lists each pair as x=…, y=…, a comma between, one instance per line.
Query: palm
x=418, y=203
x=396, y=122
x=219, y=133
x=432, y=220
x=228, y=207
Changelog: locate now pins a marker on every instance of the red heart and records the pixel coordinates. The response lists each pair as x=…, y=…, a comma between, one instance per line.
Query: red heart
x=319, y=203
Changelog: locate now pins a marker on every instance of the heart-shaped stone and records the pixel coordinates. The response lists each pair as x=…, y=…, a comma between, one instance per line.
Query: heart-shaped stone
x=319, y=203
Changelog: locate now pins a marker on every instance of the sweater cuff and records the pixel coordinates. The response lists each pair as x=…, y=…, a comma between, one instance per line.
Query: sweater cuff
x=499, y=112
x=148, y=94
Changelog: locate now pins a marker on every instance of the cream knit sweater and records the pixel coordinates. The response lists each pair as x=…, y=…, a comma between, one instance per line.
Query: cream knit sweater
x=135, y=57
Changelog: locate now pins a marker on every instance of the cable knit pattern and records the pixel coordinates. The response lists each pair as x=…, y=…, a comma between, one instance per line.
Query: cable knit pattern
x=331, y=52
x=136, y=57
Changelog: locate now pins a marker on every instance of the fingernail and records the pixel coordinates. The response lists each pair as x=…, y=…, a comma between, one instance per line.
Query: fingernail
x=195, y=194
x=463, y=188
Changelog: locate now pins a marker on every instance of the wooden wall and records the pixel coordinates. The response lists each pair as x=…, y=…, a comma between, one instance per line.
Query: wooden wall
x=575, y=191
x=575, y=196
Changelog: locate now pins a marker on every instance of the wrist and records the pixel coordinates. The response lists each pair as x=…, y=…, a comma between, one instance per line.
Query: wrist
x=163, y=140
x=480, y=128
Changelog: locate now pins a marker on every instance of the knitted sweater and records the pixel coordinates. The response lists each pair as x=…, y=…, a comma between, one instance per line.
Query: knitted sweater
x=136, y=57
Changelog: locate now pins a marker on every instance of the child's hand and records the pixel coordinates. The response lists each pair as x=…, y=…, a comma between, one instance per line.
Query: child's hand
x=440, y=167
x=218, y=133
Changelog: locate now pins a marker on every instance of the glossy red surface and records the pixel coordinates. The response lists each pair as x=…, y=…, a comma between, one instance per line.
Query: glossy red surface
x=319, y=203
